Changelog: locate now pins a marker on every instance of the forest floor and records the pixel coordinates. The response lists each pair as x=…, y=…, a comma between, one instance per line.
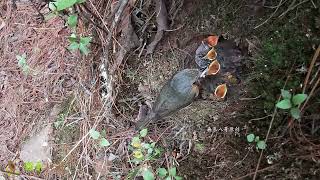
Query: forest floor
x=59, y=95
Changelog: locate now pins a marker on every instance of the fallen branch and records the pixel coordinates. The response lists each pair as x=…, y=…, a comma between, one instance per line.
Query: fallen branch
x=162, y=22
x=260, y=170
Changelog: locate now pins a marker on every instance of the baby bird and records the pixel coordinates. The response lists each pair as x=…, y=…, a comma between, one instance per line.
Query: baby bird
x=180, y=91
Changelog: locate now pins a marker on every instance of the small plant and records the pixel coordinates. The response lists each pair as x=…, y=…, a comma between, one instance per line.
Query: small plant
x=100, y=137
x=60, y=5
x=79, y=43
x=31, y=166
x=260, y=144
x=143, y=152
x=72, y=21
x=76, y=42
x=291, y=102
x=168, y=174
x=22, y=63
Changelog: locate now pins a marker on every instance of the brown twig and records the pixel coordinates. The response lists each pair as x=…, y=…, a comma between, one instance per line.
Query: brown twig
x=260, y=170
x=311, y=93
x=21, y=175
x=314, y=58
x=278, y=6
x=162, y=22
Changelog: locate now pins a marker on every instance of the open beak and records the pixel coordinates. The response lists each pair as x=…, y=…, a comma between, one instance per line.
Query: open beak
x=214, y=68
x=212, y=40
x=221, y=91
x=211, y=55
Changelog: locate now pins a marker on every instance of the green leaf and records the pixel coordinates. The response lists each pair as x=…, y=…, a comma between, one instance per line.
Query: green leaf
x=178, y=177
x=138, y=154
x=173, y=171
x=162, y=172
x=84, y=49
x=299, y=98
x=147, y=174
x=168, y=178
x=284, y=104
x=52, y=6
x=21, y=60
x=146, y=145
x=73, y=46
x=295, y=112
x=28, y=166
x=144, y=132
x=261, y=145
x=81, y=1
x=285, y=94
x=94, y=134
x=85, y=40
x=58, y=124
x=72, y=20
x=64, y=4
x=103, y=142
x=38, y=167
x=250, y=138
x=256, y=139
x=150, y=150
x=153, y=144
x=199, y=147
x=73, y=37
x=136, y=142
x=103, y=133
x=156, y=152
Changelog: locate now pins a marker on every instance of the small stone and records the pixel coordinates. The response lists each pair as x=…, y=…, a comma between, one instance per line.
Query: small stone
x=209, y=130
x=112, y=157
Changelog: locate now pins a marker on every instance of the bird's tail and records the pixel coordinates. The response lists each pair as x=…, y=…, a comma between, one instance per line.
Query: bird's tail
x=143, y=122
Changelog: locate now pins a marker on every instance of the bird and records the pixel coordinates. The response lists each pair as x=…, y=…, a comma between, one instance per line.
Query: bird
x=189, y=84
x=180, y=91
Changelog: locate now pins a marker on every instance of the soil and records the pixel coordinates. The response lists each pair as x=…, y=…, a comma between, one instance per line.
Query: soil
x=207, y=139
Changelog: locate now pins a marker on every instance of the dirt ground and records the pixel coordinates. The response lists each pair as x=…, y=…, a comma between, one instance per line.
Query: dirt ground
x=206, y=140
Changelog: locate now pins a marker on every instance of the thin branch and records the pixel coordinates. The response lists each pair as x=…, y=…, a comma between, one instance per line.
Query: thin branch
x=311, y=93
x=315, y=56
x=278, y=6
x=264, y=169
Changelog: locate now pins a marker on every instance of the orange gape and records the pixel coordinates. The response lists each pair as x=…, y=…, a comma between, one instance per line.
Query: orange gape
x=212, y=54
x=214, y=68
x=212, y=40
x=221, y=91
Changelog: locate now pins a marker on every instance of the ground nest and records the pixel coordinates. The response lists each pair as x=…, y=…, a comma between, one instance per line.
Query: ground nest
x=63, y=98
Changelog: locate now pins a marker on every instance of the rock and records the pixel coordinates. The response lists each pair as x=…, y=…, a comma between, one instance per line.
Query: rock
x=37, y=147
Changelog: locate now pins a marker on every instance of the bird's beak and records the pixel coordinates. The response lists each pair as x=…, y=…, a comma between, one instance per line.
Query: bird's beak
x=211, y=55
x=212, y=40
x=214, y=68
x=221, y=91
